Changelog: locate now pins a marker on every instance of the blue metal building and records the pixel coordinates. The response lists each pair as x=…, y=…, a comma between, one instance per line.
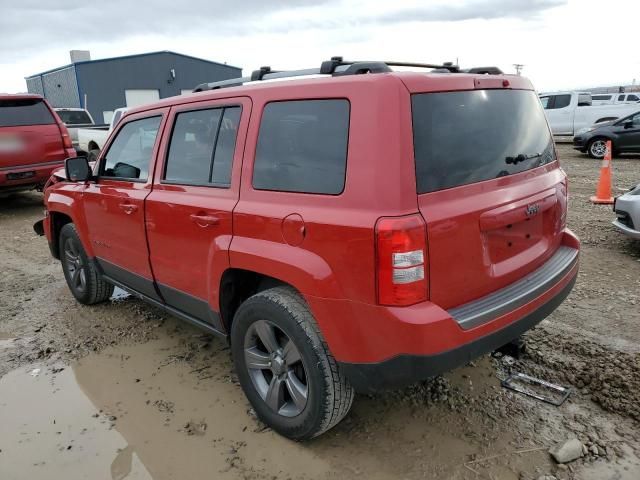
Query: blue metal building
x=103, y=85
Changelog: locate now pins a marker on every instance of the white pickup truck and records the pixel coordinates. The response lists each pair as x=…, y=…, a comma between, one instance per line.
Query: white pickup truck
x=570, y=112
x=91, y=140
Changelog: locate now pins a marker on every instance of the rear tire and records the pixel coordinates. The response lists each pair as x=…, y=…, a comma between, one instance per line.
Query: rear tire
x=84, y=281
x=597, y=147
x=301, y=394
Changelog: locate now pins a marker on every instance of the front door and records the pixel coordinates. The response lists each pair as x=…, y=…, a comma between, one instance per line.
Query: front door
x=628, y=131
x=189, y=212
x=114, y=204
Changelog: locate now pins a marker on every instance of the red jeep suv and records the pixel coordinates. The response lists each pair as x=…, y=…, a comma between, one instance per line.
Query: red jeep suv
x=361, y=229
x=33, y=142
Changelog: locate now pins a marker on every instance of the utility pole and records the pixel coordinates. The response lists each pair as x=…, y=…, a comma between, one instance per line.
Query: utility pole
x=518, y=67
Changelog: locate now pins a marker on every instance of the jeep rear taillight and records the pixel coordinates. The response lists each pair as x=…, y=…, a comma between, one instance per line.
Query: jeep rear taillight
x=401, y=260
x=66, y=139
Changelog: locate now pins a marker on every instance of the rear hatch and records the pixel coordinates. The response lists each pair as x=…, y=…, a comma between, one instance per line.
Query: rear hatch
x=29, y=133
x=489, y=189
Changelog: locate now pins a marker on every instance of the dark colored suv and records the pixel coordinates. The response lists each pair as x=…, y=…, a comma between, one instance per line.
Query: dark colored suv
x=362, y=230
x=33, y=142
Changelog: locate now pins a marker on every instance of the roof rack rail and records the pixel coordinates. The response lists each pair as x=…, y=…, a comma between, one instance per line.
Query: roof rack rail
x=337, y=66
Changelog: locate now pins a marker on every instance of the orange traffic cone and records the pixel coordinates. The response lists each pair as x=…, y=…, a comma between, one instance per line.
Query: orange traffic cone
x=603, y=192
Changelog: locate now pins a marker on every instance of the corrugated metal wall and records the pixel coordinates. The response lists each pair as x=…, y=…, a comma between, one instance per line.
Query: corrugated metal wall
x=34, y=85
x=105, y=82
x=60, y=88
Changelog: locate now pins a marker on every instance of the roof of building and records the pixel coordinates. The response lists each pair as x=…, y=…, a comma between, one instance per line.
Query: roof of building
x=129, y=56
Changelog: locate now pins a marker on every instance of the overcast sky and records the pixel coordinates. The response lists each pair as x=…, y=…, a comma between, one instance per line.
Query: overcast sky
x=562, y=43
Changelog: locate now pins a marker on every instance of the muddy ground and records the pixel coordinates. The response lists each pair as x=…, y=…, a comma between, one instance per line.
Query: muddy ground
x=123, y=391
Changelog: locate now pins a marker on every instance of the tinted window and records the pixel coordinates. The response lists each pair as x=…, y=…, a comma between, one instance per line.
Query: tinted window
x=302, y=147
x=621, y=98
x=561, y=101
x=74, y=117
x=632, y=98
x=601, y=97
x=130, y=152
x=471, y=136
x=192, y=143
x=202, y=146
x=16, y=113
x=546, y=103
x=225, y=146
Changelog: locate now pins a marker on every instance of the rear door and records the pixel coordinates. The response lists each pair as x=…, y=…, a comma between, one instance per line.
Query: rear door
x=29, y=134
x=489, y=188
x=189, y=212
x=114, y=204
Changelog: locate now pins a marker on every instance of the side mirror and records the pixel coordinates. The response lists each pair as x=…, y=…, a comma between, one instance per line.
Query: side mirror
x=628, y=124
x=77, y=169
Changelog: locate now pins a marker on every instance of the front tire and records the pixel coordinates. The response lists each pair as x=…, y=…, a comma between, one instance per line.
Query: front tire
x=284, y=366
x=597, y=148
x=84, y=281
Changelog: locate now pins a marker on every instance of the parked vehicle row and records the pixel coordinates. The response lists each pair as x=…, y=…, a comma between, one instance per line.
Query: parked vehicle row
x=336, y=230
x=612, y=98
x=569, y=113
x=33, y=142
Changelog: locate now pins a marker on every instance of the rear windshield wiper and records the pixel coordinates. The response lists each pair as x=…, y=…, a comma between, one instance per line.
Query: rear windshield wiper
x=521, y=158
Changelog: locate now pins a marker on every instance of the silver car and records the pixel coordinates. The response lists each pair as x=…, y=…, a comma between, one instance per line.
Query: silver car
x=627, y=208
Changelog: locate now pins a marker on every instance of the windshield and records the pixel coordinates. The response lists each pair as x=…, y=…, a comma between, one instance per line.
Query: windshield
x=18, y=113
x=74, y=117
x=471, y=136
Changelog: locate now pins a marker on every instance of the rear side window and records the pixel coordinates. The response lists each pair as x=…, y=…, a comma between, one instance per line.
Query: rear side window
x=561, y=101
x=18, y=113
x=302, y=147
x=632, y=98
x=74, y=117
x=202, y=146
x=130, y=152
x=472, y=136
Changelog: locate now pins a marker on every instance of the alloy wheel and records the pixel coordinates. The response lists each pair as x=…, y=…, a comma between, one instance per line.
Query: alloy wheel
x=598, y=148
x=276, y=368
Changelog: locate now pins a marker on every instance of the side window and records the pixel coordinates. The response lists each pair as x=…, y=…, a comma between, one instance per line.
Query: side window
x=633, y=98
x=621, y=98
x=636, y=120
x=130, y=152
x=546, y=103
x=202, y=146
x=562, y=101
x=584, y=100
x=302, y=147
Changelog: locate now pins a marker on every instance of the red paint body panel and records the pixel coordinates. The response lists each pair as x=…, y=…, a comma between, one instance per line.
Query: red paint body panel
x=30, y=153
x=479, y=238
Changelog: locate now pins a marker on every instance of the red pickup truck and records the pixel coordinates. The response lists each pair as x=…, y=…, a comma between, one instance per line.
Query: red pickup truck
x=33, y=142
x=361, y=230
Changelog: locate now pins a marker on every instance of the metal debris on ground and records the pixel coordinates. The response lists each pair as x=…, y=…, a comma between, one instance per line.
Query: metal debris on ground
x=519, y=382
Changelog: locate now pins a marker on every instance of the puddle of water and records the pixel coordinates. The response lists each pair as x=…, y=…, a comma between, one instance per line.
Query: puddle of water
x=156, y=406
x=48, y=431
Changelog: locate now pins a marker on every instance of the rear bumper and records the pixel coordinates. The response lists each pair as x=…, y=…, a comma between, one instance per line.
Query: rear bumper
x=387, y=347
x=27, y=176
x=407, y=369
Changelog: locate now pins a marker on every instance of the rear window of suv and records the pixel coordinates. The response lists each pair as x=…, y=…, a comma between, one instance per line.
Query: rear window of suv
x=302, y=147
x=22, y=112
x=472, y=136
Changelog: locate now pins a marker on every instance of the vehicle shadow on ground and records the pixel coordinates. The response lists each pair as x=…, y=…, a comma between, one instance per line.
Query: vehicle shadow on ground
x=21, y=201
